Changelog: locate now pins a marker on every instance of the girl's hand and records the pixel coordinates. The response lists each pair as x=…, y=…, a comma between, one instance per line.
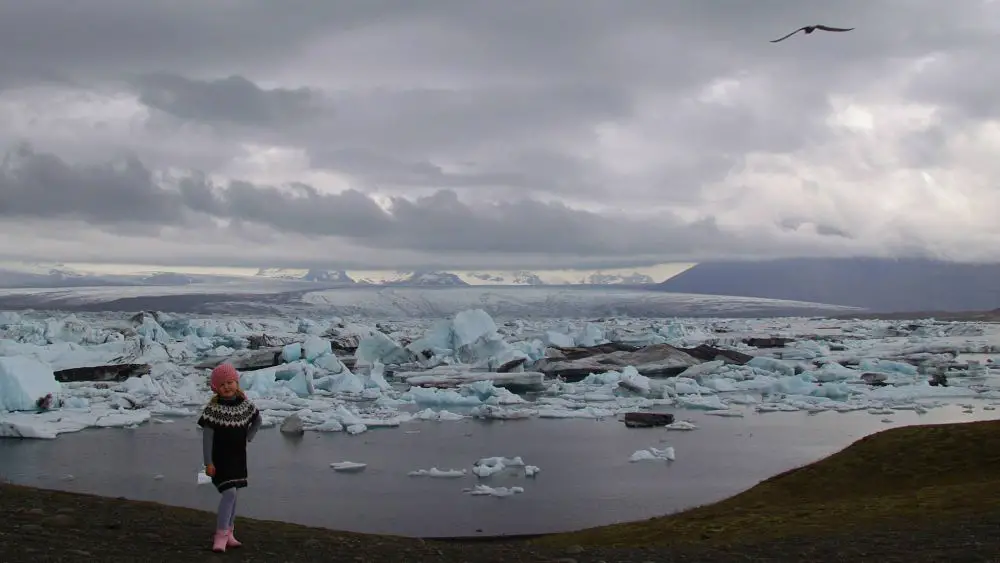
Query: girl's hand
x=210, y=470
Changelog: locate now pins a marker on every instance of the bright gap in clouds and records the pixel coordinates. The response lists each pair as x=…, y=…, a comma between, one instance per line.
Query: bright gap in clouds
x=384, y=202
x=280, y=166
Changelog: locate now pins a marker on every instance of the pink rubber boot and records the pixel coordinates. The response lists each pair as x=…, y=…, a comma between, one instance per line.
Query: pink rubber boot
x=231, y=540
x=219, y=540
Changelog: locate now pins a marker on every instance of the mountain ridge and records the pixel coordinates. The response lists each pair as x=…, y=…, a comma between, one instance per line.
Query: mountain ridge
x=877, y=284
x=28, y=275
x=461, y=278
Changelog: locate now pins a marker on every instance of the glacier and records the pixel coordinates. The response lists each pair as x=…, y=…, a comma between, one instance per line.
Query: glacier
x=308, y=299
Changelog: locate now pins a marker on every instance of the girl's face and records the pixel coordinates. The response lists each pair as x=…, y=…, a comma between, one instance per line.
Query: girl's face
x=228, y=389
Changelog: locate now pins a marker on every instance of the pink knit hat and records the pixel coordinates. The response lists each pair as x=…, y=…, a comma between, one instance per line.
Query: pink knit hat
x=223, y=373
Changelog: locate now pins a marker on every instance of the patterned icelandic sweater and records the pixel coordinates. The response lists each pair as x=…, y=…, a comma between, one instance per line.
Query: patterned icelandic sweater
x=224, y=415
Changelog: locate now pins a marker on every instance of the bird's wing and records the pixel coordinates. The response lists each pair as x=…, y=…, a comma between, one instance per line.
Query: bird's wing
x=828, y=28
x=789, y=35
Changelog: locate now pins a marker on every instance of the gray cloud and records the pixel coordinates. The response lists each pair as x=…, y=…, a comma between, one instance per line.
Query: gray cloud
x=549, y=171
x=109, y=38
x=391, y=138
x=118, y=196
x=42, y=185
x=588, y=130
x=959, y=82
x=233, y=99
x=822, y=229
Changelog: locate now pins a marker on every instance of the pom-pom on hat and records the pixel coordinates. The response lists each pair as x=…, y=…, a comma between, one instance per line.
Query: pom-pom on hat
x=223, y=373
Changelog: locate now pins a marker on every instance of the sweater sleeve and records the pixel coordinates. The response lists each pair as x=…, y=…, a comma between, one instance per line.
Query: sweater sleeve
x=207, y=434
x=254, y=426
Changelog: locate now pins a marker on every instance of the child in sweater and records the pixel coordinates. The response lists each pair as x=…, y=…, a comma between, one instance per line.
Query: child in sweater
x=229, y=421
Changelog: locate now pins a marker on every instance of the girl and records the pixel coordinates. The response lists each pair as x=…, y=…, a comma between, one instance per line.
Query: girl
x=229, y=421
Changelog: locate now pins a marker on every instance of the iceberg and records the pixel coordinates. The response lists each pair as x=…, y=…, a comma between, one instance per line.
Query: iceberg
x=24, y=381
x=354, y=374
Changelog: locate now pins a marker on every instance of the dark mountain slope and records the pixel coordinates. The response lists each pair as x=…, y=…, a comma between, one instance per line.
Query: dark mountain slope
x=888, y=285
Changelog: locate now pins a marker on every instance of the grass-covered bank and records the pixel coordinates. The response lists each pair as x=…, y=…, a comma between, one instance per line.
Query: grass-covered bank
x=919, y=493
x=907, y=475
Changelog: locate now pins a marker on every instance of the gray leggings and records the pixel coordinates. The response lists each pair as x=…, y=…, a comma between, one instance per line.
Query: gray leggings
x=227, y=510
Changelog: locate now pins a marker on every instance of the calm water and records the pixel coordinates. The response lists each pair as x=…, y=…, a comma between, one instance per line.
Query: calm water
x=585, y=479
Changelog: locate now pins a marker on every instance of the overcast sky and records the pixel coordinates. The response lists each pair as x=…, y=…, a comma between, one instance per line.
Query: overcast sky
x=487, y=134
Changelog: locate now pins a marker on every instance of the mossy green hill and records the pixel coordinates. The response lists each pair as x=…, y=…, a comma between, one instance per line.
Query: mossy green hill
x=904, y=474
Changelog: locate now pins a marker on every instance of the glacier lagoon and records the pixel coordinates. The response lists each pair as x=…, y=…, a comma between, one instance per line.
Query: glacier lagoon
x=832, y=382
x=585, y=477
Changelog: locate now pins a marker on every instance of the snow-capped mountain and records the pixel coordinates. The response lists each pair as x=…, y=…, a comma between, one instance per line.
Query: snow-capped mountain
x=169, y=278
x=380, y=278
x=314, y=275
x=54, y=271
x=48, y=275
x=437, y=279
x=421, y=279
x=635, y=278
x=505, y=278
x=77, y=275
x=568, y=277
x=58, y=275
x=338, y=276
x=502, y=278
x=412, y=279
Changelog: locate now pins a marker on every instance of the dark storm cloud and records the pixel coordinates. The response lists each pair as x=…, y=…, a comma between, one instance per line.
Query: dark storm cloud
x=233, y=100
x=43, y=186
x=118, y=195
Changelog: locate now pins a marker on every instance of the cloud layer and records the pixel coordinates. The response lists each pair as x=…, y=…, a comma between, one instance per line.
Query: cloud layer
x=473, y=134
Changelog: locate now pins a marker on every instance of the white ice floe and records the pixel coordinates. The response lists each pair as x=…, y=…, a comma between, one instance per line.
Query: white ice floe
x=354, y=375
x=441, y=415
x=484, y=490
x=681, y=425
x=654, y=454
x=491, y=465
x=348, y=466
x=439, y=473
x=481, y=468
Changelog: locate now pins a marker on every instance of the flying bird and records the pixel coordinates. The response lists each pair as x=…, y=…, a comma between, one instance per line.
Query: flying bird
x=811, y=28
